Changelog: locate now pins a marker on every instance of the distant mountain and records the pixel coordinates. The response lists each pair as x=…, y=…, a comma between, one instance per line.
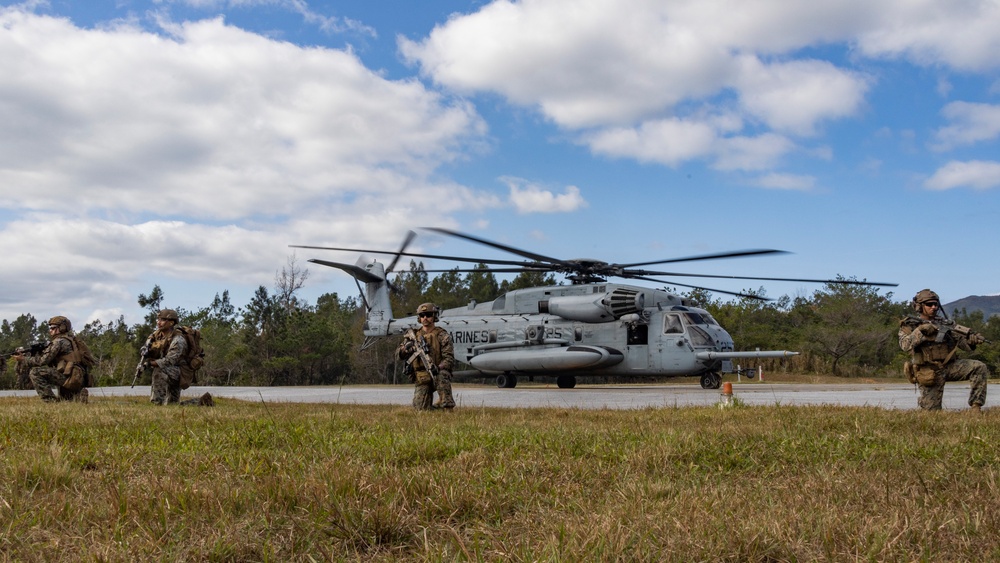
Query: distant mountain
x=988, y=304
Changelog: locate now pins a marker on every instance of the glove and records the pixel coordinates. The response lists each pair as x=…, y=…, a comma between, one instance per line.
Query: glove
x=409, y=347
x=976, y=338
x=928, y=329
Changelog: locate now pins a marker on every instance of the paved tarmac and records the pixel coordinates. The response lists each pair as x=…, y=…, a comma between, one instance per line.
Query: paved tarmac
x=900, y=396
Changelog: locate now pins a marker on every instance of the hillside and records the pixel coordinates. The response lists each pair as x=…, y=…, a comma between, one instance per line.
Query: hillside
x=988, y=304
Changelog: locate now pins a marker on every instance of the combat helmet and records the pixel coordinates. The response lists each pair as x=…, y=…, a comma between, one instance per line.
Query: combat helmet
x=925, y=296
x=61, y=322
x=429, y=308
x=168, y=315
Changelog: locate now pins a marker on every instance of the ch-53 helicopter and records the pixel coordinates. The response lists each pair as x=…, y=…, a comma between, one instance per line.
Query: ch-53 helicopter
x=588, y=328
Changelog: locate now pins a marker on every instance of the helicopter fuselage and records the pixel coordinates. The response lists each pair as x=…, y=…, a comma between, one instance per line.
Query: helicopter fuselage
x=588, y=329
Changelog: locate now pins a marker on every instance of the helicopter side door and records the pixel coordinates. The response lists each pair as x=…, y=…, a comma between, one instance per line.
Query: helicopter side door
x=669, y=353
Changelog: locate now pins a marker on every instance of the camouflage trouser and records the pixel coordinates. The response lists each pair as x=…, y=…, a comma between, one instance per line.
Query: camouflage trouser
x=445, y=399
x=23, y=371
x=423, y=396
x=166, y=386
x=44, y=378
x=958, y=370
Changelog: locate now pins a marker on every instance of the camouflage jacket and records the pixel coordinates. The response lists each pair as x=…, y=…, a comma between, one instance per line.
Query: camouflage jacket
x=167, y=348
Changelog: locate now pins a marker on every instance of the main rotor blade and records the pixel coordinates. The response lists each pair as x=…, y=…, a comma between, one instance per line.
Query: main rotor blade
x=634, y=273
x=418, y=255
x=495, y=270
x=716, y=256
x=497, y=245
x=666, y=282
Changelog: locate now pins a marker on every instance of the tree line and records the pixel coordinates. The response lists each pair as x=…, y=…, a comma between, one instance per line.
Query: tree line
x=279, y=339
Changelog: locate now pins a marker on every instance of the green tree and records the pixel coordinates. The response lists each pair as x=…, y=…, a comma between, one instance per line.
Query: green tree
x=482, y=284
x=525, y=280
x=152, y=303
x=113, y=344
x=447, y=290
x=853, y=324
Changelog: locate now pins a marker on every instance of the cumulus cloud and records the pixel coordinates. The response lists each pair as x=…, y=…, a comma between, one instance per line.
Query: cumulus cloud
x=958, y=34
x=531, y=198
x=666, y=141
x=795, y=96
x=619, y=73
x=198, y=150
x=242, y=124
x=970, y=123
x=975, y=174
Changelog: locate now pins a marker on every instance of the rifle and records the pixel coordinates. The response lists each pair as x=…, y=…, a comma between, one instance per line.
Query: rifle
x=422, y=351
x=944, y=327
x=143, y=355
x=33, y=349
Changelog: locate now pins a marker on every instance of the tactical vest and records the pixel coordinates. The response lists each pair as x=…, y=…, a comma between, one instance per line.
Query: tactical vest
x=434, y=343
x=931, y=352
x=159, y=344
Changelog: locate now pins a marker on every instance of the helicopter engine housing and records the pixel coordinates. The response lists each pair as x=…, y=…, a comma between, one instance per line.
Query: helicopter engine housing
x=595, y=308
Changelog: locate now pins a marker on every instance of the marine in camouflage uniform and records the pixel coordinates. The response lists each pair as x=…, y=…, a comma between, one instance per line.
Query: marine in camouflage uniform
x=166, y=349
x=933, y=363
x=23, y=371
x=45, y=370
x=442, y=354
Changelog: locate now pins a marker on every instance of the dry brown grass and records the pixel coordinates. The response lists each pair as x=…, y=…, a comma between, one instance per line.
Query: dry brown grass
x=120, y=480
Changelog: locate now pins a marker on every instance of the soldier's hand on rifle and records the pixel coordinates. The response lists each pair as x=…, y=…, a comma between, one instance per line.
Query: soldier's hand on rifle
x=928, y=329
x=976, y=338
x=409, y=347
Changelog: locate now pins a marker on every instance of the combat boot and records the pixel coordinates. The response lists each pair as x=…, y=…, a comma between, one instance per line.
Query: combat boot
x=976, y=409
x=206, y=400
x=83, y=396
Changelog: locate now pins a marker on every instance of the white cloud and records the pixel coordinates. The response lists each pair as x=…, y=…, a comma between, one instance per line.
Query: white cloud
x=976, y=174
x=752, y=153
x=666, y=141
x=242, y=124
x=960, y=34
x=200, y=152
x=794, y=96
x=620, y=71
x=971, y=123
x=530, y=198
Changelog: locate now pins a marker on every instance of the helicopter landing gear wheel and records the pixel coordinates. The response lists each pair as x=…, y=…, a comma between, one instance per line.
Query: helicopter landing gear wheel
x=566, y=381
x=506, y=381
x=711, y=381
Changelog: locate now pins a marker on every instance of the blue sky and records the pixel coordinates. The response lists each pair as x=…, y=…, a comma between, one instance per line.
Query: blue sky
x=188, y=143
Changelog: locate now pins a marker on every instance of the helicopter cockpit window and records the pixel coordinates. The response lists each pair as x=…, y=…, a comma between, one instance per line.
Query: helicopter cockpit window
x=699, y=338
x=672, y=325
x=694, y=319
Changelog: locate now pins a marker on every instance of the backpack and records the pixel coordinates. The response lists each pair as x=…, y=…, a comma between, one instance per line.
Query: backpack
x=194, y=358
x=77, y=365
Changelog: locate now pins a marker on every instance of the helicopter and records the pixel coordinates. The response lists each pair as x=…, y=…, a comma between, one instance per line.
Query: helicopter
x=590, y=327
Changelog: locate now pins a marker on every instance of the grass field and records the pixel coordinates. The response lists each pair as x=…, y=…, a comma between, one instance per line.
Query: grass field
x=121, y=480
